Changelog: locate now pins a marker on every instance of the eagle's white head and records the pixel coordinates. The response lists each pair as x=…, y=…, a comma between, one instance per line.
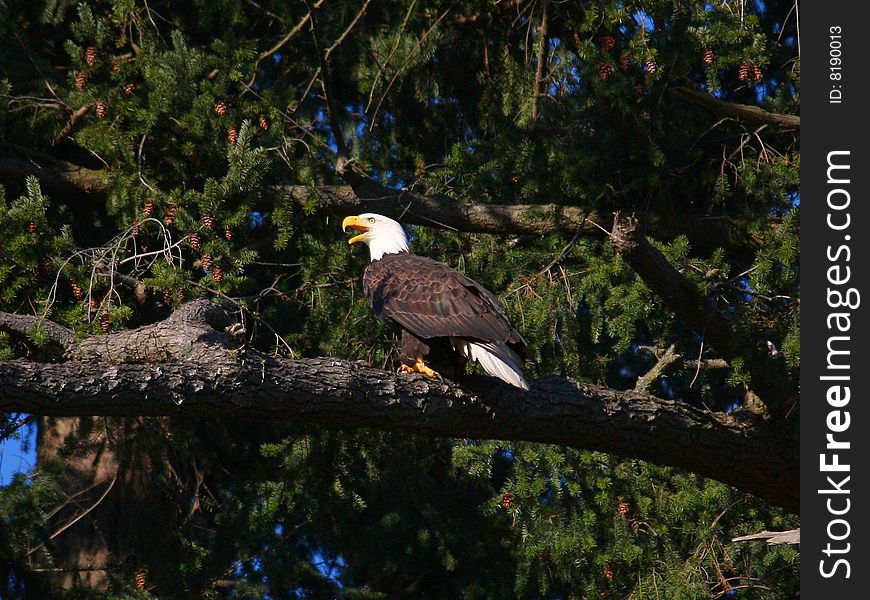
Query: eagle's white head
x=381, y=234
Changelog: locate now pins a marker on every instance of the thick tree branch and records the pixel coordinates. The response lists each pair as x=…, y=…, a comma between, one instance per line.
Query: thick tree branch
x=742, y=111
x=769, y=379
x=60, y=178
x=677, y=292
x=60, y=339
x=201, y=376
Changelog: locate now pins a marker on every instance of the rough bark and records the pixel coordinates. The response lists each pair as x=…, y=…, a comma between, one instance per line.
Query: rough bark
x=186, y=365
x=755, y=114
x=60, y=179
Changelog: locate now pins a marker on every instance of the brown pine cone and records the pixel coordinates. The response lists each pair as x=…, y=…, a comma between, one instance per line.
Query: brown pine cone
x=169, y=217
x=91, y=55
x=220, y=107
x=81, y=80
x=507, y=500
x=104, y=322
x=709, y=57
x=148, y=207
x=608, y=43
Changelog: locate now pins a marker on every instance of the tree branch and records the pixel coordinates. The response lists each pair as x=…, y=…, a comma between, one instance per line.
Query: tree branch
x=326, y=79
x=543, y=35
x=768, y=376
x=440, y=211
x=742, y=111
x=60, y=339
x=201, y=376
x=645, y=381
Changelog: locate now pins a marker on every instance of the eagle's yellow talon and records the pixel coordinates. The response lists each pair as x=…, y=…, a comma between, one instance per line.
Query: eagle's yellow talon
x=419, y=367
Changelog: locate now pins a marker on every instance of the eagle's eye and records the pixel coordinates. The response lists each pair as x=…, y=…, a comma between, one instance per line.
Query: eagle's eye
x=371, y=219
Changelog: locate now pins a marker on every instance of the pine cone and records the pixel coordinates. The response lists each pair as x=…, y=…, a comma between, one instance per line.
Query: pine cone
x=116, y=66
x=77, y=291
x=625, y=62
x=623, y=509
x=101, y=109
x=217, y=274
x=140, y=579
x=194, y=241
x=220, y=107
x=148, y=208
x=167, y=297
x=91, y=55
x=604, y=71
x=651, y=66
x=575, y=35
x=639, y=90
x=81, y=80
x=746, y=67
x=134, y=228
x=233, y=134
x=608, y=43
x=32, y=227
x=756, y=73
x=169, y=217
x=228, y=233
x=709, y=57
x=205, y=261
x=104, y=322
x=129, y=88
x=207, y=221
x=608, y=572
x=264, y=123
x=507, y=500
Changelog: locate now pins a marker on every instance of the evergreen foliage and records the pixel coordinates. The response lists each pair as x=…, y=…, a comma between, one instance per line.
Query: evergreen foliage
x=184, y=121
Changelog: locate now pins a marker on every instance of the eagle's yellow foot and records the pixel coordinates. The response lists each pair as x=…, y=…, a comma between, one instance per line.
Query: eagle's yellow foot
x=419, y=367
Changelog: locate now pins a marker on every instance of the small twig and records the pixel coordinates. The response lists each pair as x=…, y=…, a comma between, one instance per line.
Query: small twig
x=347, y=31
x=74, y=118
x=326, y=82
x=406, y=61
x=542, y=58
x=281, y=43
x=134, y=284
x=77, y=518
x=645, y=381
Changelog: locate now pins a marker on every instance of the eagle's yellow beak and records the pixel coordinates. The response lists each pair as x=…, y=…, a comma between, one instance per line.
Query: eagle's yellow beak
x=355, y=223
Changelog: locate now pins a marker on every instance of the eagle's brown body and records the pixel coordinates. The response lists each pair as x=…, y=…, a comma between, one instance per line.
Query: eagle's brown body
x=440, y=314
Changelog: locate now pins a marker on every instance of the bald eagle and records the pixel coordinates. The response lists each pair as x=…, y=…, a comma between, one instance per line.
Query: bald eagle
x=443, y=318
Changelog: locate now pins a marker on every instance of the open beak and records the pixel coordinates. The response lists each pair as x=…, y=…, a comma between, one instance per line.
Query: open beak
x=356, y=224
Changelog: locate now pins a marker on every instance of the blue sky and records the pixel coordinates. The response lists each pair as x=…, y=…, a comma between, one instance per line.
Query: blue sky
x=14, y=458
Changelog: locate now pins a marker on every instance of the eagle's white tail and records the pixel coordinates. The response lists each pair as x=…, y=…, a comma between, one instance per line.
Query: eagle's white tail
x=501, y=362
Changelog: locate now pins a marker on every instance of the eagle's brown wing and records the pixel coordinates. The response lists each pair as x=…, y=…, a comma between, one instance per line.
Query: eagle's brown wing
x=430, y=300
